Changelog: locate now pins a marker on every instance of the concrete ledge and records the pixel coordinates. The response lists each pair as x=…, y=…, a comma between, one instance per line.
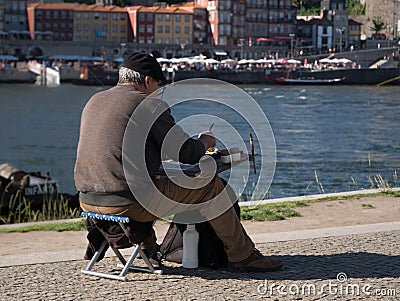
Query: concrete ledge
x=315, y=197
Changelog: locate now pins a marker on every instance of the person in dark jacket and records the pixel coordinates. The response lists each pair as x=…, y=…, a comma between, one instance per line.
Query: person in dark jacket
x=105, y=187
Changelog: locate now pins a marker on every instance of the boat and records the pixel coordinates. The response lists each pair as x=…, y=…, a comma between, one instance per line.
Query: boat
x=99, y=76
x=13, y=75
x=304, y=81
x=16, y=184
x=342, y=76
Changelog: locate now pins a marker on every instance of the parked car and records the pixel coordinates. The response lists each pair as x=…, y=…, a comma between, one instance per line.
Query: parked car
x=378, y=36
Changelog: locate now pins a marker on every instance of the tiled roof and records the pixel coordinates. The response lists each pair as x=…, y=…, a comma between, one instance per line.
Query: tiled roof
x=54, y=6
x=99, y=8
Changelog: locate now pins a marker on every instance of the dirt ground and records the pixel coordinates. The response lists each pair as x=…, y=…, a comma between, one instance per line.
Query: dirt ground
x=325, y=214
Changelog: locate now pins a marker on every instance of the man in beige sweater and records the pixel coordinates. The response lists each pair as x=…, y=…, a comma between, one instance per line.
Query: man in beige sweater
x=99, y=172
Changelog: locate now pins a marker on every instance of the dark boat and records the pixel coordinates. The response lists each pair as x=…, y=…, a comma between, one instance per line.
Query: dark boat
x=304, y=81
x=362, y=76
x=100, y=76
x=16, y=184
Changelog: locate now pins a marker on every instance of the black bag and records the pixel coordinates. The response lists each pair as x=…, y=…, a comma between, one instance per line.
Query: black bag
x=211, y=249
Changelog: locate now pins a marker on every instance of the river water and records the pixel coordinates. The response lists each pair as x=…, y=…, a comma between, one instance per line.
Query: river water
x=328, y=139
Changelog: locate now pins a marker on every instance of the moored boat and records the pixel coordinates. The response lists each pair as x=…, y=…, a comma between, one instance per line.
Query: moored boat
x=304, y=81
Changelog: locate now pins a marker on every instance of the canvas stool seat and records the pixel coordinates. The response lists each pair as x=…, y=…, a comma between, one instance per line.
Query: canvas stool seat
x=126, y=265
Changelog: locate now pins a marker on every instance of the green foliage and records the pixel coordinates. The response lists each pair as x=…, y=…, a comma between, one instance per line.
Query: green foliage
x=271, y=212
x=355, y=8
x=59, y=227
x=378, y=23
x=19, y=209
x=312, y=8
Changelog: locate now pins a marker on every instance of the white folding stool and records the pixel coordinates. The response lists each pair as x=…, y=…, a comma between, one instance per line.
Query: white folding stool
x=125, y=265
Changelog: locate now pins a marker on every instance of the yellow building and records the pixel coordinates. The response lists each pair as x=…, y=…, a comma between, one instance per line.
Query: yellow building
x=101, y=24
x=173, y=26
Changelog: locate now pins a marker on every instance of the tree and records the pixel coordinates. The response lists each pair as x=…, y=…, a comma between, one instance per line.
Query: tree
x=379, y=24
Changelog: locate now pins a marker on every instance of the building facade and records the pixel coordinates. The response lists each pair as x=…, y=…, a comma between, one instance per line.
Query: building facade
x=14, y=15
x=53, y=21
x=161, y=25
x=101, y=24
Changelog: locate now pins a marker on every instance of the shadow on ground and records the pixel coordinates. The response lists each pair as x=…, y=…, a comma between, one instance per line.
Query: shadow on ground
x=309, y=267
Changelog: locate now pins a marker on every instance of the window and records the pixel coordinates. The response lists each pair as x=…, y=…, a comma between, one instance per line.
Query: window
x=187, y=30
x=122, y=28
x=63, y=26
x=115, y=28
x=55, y=26
x=47, y=15
x=141, y=40
x=96, y=16
x=63, y=14
x=141, y=28
x=178, y=18
x=39, y=26
x=39, y=14
x=159, y=17
x=78, y=16
x=177, y=40
x=149, y=28
x=86, y=15
x=85, y=27
x=167, y=17
x=105, y=28
x=187, y=18
x=141, y=18
x=187, y=41
x=159, y=40
x=167, y=29
x=167, y=40
x=177, y=29
x=115, y=16
x=159, y=29
x=149, y=17
x=104, y=16
x=122, y=16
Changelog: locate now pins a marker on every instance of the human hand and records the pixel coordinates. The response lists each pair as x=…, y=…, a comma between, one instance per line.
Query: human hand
x=208, y=138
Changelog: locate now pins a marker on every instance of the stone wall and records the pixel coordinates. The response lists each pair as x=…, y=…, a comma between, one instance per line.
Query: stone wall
x=389, y=10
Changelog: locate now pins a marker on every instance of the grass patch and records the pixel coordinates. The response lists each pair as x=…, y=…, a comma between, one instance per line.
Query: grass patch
x=367, y=206
x=59, y=227
x=271, y=212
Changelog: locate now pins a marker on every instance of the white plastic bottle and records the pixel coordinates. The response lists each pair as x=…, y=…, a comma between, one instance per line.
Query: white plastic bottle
x=190, y=256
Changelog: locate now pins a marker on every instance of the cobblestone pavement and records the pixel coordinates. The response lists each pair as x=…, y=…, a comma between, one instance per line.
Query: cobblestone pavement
x=352, y=267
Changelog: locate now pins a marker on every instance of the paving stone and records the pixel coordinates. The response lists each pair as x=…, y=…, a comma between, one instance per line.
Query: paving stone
x=369, y=265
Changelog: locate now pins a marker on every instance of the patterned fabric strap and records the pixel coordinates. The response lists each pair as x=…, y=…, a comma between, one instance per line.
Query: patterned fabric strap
x=107, y=217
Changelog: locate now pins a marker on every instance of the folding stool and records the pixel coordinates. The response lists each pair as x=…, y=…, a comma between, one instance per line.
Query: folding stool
x=126, y=265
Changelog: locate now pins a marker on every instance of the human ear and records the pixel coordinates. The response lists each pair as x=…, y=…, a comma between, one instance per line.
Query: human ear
x=147, y=81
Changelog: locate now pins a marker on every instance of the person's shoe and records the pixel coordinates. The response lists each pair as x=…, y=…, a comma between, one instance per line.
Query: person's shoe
x=154, y=257
x=257, y=262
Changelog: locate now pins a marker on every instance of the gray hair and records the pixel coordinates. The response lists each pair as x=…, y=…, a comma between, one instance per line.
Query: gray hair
x=127, y=75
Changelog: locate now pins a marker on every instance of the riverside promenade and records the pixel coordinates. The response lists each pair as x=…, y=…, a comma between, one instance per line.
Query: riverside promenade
x=337, y=250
